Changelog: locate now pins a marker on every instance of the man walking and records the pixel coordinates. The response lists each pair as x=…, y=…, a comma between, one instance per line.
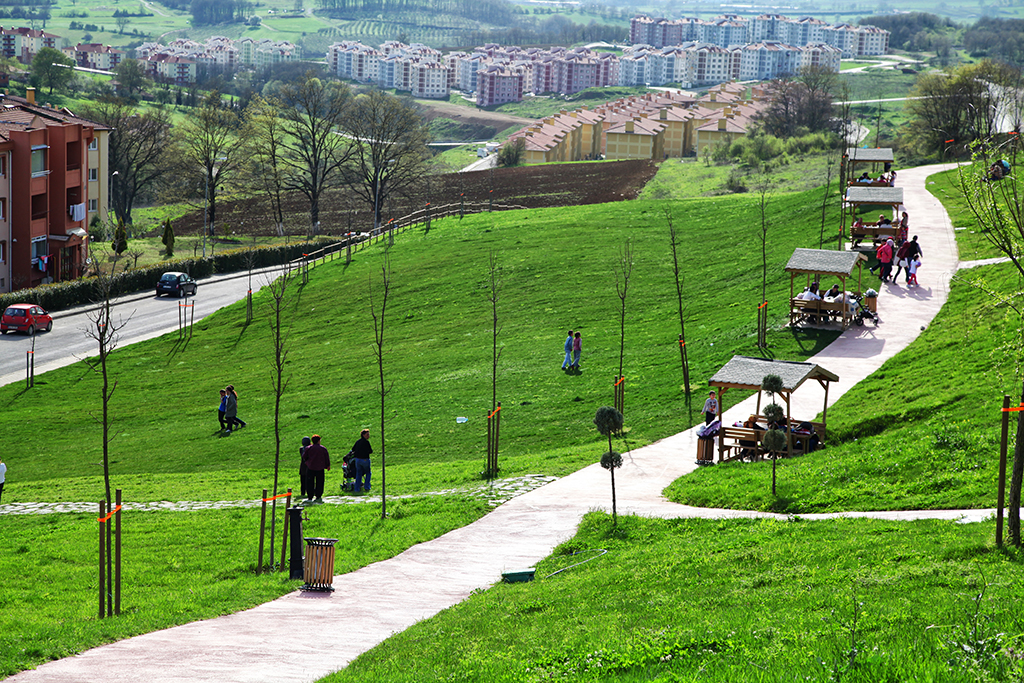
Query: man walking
x=360, y=455
x=318, y=461
x=568, y=351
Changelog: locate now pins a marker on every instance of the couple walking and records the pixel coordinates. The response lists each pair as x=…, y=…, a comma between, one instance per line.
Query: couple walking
x=227, y=413
x=573, y=349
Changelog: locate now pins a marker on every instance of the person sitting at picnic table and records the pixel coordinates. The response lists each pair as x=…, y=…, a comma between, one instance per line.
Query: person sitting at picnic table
x=810, y=294
x=864, y=178
x=883, y=220
x=892, y=179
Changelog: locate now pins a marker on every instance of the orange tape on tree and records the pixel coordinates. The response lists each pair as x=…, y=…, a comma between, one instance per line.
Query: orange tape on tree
x=103, y=520
x=280, y=495
x=621, y=380
x=1015, y=409
x=494, y=413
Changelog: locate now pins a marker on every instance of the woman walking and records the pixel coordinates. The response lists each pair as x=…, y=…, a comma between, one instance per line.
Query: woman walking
x=231, y=409
x=577, y=349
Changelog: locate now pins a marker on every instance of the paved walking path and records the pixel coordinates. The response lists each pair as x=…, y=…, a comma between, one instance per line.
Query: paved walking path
x=272, y=641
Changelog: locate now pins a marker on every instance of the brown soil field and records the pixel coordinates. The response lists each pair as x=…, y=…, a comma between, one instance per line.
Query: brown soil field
x=526, y=186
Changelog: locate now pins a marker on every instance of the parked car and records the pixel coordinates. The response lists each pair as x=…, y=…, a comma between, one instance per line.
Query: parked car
x=25, y=318
x=179, y=284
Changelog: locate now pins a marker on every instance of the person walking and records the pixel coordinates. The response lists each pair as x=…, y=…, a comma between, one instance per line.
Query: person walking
x=710, y=408
x=360, y=455
x=913, y=253
x=568, y=351
x=231, y=409
x=577, y=349
x=884, y=254
x=3, y=476
x=302, y=467
x=318, y=462
x=221, y=410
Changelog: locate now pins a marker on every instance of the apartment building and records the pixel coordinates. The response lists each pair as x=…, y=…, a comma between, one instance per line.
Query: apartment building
x=499, y=84
x=95, y=56
x=47, y=182
x=23, y=43
x=428, y=80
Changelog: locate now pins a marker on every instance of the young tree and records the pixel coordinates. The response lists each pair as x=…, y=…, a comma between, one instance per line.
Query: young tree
x=52, y=68
x=512, y=153
x=120, y=242
x=998, y=206
x=211, y=150
x=378, y=350
x=622, y=274
x=609, y=421
x=265, y=130
x=312, y=151
x=389, y=148
x=168, y=237
x=679, y=296
x=278, y=290
x=494, y=418
x=104, y=328
x=141, y=150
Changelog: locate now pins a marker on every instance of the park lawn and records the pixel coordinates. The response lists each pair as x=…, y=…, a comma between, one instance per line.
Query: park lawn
x=971, y=238
x=920, y=433
x=874, y=84
x=692, y=177
x=557, y=273
x=732, y=600
x=151, y=250
x=178, y=567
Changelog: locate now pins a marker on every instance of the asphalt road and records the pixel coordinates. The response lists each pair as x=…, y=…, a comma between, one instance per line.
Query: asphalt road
x=145, y=315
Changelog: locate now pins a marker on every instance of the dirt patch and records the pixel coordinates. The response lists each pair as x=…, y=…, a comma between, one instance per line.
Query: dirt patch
x=471, y=115
x=525, y=186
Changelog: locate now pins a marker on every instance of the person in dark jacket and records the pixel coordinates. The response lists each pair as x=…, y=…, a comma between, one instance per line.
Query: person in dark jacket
x=302, y=466
x=318, y=461
x=361, y=457
x=913, y=251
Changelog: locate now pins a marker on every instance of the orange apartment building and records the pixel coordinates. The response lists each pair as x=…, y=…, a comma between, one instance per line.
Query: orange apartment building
x=52, y=175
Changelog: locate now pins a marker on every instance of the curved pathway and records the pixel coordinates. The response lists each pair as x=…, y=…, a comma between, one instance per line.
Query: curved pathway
x=270, y=642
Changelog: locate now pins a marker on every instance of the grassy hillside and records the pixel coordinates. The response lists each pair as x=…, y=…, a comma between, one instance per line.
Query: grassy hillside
x=922, y=432
x=556, y=274
x=732, y=600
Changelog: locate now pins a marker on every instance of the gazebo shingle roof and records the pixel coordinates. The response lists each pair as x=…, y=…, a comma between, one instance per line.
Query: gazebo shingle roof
x=874, y=195
x=744, y=372
x=824, y=261
x=861, y=155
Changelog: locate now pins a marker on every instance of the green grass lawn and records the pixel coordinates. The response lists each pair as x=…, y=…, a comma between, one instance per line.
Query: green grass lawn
x=692, y=177
x=178, y=567
x=971, y=239
x=922, y=432
x=878, y=84
x=732, y=600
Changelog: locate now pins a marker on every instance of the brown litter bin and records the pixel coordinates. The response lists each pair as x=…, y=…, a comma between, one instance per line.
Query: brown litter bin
x=705, y=450
x=319, y=565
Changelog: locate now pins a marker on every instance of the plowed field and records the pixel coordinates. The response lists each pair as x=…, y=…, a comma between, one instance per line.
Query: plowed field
x=525, y=186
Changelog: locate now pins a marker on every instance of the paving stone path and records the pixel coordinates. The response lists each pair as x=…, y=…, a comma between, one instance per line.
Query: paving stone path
x=495, y=493
x=271, y=641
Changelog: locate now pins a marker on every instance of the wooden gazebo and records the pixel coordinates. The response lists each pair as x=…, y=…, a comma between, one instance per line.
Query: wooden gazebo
x=862, y=155
x=834, y=264
x=858, y=196
x=744, y=372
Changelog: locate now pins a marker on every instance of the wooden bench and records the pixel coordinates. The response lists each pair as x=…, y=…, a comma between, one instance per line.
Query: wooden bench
x=873, y=183
x=873, y=231
x=800, y=309
x=740, y=442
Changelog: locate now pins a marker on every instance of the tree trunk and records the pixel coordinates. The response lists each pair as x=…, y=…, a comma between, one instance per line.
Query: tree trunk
x=1016, y=477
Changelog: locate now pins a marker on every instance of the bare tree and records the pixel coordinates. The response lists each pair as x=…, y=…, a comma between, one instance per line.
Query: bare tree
x=494, y=419
x=998, y=206
x=764, y=187
x=623, y=272
x=378, y=345
x=140, y=150
x=211, y=147
x=389, y=148
x=312, y=151
x=264, y=129
x=104, y=329
x=679, y=296
x=278, y=290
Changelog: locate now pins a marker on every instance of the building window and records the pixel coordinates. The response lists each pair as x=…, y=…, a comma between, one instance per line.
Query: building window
x=94, y=145
x=3, y=165
x=3, y=251
x=39, y=249
x=94, y=174
x=39, y=160
x=92, y=205
x=3, y=208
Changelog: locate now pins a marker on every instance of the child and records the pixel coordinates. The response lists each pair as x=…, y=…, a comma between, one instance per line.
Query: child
x=710, y=409
x=914, y=265
x=223, y=407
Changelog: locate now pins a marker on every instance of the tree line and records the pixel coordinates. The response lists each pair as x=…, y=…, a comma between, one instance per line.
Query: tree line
x=305, y=136
x=489, y=11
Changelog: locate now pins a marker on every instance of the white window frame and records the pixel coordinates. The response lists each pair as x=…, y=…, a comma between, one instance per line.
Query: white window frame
x=94, y=175
x=93, y=205
x=94, y=145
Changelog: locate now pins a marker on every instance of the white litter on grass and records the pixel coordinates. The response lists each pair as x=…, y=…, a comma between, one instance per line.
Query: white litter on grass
x=460, y=420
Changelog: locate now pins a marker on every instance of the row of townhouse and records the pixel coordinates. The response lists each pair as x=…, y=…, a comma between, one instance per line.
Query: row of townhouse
x=653, y=126
x=53, y=180
x=732, y=30
x=700, y=64
x=414, y=68
x=177, y=61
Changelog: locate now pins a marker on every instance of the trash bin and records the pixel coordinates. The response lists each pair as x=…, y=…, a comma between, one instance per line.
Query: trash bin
x=319, y=565
x=705, y=450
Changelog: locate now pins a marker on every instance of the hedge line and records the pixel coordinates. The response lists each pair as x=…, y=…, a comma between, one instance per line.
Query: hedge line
x=60, y=295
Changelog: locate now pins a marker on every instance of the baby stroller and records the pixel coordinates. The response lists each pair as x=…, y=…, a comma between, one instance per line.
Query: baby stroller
x=863, y=312
x=348, y=472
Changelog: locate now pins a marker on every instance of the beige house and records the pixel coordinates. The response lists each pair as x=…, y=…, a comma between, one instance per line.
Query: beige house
x=638, y=138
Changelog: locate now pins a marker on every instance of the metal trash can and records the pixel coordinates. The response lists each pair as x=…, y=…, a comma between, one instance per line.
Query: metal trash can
x=319, y=565
x=705, y=450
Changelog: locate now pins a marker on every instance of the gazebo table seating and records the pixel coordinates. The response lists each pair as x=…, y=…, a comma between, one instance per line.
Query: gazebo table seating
x=746, y=440
x=814, y=263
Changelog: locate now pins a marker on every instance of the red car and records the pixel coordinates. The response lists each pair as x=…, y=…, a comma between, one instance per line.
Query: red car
x=25, y=318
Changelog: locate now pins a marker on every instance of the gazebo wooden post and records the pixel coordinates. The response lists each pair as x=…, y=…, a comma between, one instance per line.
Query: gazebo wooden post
x=824, y=408
x=758, y=411
x=789, y=427
x=721, y=436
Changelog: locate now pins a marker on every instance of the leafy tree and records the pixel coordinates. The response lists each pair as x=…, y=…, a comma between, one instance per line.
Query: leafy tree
x=800, y=106
x=120, y=242
x=312, y=151
x=389, y=148
x=52, y=68
x=211, y=150
x=512, y=153
x=141, y=150
x=131, y=77
x=265, y=130
x=609, y=421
